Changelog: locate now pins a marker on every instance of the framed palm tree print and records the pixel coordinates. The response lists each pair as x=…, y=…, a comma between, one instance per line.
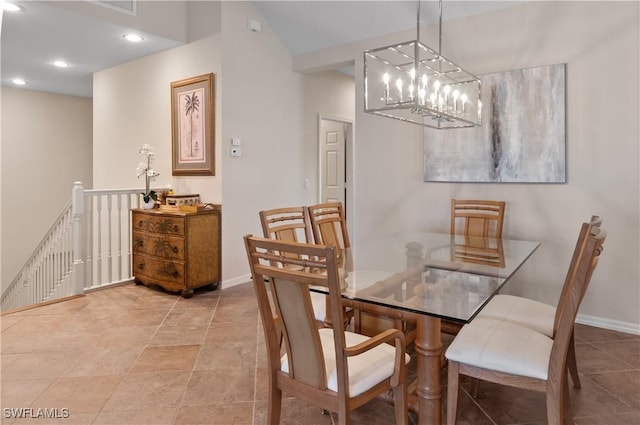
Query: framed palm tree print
x=192, y=126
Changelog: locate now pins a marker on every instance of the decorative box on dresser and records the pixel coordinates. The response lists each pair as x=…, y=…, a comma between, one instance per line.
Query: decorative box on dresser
x=177, y=250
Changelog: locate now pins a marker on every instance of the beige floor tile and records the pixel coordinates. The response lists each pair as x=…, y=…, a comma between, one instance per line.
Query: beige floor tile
x=126, y=336
x=148, y=416
x=179, y=335
x=227, y=355
x=627, y=350
x=42, y=365
x=624, y=385
x=235, y=413
x=105, y=361
x=161, y=359
x=56, y=417
x=9, y=320
x=83, y=394
x=219, y=386
x=186, y=315
x=149, y=390
x=17, y=394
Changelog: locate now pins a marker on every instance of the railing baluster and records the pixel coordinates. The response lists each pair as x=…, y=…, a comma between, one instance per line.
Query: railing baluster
x=109, y=238
x=70, y=257
x=119, y=198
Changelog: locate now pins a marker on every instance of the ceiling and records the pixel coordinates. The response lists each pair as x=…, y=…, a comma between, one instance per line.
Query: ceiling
x=41, y=33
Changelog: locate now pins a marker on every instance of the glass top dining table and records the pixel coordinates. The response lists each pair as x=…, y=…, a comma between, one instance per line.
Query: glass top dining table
x=428, y=278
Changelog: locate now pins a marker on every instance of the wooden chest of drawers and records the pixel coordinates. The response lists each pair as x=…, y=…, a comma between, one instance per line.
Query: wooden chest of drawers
x=178, y=251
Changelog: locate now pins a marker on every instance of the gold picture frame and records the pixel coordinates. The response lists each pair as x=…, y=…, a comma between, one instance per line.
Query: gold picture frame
x=193, y=126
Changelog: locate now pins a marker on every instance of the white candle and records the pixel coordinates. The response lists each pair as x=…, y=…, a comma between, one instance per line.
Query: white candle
x=385, y=79
x=411, y=88
x=456, y=94
x=447, y=90
x=422, y=93
x=399, y=87
x=424, y=81
x=463, y=99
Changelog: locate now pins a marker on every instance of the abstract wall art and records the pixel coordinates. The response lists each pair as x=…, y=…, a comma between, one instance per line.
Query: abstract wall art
x=522, y=137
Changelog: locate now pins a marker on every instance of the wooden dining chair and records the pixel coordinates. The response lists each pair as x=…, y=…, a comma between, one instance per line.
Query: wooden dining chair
x=474, y=219
x=329, y=227
x=336, y=370
x=477, y=218
x=506, y=353
x=291, y=224
x=536, y=315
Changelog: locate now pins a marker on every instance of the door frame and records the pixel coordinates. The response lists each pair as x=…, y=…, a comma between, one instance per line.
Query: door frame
x=349, y=153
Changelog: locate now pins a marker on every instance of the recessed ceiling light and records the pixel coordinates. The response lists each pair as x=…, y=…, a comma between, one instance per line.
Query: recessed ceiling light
x=18, y=81
x=134, y=38
x=60, y=64
x=10, y=7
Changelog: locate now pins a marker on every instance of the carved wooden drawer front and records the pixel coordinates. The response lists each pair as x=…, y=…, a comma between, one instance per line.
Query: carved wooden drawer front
x=171, y=272
x=167, y=247
x=179, y=251
x=163, y=224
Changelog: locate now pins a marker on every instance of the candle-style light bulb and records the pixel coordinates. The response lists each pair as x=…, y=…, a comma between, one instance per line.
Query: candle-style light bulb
x=411, y=89
x=422, y=93
x=399, y=87
x=385, y=80
x=432, y=97
x=446, y=90
x=425, y=79
x=455, y=95
x=463, y=99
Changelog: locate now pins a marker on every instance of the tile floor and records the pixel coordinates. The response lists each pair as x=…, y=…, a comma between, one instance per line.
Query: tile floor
x=136, y=355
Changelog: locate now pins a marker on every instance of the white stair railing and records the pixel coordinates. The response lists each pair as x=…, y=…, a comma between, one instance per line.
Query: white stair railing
x=88, y=246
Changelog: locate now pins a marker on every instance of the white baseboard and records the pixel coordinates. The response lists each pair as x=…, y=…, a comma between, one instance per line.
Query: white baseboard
x=236, y=281
x=613, y=325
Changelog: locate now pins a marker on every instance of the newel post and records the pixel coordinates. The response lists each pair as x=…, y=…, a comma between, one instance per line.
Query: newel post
x=77, y=199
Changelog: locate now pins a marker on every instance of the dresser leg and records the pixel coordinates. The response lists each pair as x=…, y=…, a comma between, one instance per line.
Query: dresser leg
x=212, y=286
x=137, y=281
x=186, y=293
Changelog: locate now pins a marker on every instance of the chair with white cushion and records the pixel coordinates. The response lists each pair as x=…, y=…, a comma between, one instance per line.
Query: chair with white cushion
x=506, y=353
x=537, y=315
x=292, y=224
x=334, y=369
x=329, y=227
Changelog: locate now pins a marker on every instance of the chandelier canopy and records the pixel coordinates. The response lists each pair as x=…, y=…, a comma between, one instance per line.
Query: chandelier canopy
x=414, y=83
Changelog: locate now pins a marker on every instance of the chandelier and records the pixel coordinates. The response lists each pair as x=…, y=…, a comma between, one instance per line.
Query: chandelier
x=414, y=83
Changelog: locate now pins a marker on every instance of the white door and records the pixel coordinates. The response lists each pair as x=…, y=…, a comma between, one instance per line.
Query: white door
x=332, y=161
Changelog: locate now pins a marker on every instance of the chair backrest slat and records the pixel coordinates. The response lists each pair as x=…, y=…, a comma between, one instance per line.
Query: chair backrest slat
x=329, y=227
x=479, y=218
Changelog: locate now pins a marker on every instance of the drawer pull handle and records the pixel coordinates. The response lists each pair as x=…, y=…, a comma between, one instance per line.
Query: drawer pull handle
x=140, y=223
x=141, y=266
x=175, y=228
x=176, y=274
x=175, y=249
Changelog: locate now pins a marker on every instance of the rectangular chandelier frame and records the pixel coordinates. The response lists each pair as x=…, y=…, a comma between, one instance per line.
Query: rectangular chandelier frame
x=413, y=83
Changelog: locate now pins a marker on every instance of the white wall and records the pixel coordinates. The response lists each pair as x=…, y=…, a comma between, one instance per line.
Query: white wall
x=599, y=41
x=262, y=106
x=330, y=94
x=132, y=106
x=46, y=146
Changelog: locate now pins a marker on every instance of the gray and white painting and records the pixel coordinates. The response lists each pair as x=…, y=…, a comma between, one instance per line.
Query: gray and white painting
x=522, y=137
